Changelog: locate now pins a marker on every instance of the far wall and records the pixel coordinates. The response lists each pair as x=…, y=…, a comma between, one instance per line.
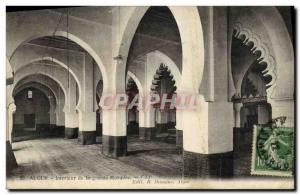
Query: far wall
x=38, y=105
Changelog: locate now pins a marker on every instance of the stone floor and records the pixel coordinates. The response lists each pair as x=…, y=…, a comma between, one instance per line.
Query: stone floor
x=61, y=157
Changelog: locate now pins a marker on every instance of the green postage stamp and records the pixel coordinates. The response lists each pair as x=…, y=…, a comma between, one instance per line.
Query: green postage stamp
x=272, y=151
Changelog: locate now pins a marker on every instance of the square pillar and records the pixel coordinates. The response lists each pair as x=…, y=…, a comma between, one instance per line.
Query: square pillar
x=87, y=128
x=147, y=133
x=52, y=125
x=60, y=123
x=11, y=162
x=147, y=130
x=114, y=138
x=179, y=138
x=114, y=146
x=132, y=124
x=161, y=121
x=87, y=114
x=204, y=154
x=179, y=132
x=197, y=165
x=71, y=125
x=71, y=116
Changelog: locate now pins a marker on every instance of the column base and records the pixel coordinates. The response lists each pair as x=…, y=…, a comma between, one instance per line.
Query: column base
x=71, y=133
x=171, y=125
x=87, y=137
x=197, y=165
x=59, y=131
x=147, y=133
x=179, y=138
x=114, y=146
x=161, y=128
x=98, y=129
x=43, y=130
x=132, y=128
x=52, y=128
x=11, y=162
x=56, y=131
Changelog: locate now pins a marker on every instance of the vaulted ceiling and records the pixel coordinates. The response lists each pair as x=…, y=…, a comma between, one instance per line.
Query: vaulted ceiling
x=57, y=42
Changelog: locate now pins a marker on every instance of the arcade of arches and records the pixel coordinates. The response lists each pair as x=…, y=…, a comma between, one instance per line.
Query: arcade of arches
x=239, y=62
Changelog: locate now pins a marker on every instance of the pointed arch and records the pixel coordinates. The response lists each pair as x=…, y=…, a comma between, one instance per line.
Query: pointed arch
x=77, y=40
x=191, y=36
x=45, y=74
x=268, y=34
x=154, y=60
x=258, y=47
x=9, y=72
x=63, y=66
x=170, y=63
x=45, y=89
x=137, y=82
x=52, y=85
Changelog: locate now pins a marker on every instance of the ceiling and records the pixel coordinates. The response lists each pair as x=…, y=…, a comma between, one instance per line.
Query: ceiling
x=156, y=17
x=57, y=42
x=161, y=12
x=103, y=14
x=97, y=14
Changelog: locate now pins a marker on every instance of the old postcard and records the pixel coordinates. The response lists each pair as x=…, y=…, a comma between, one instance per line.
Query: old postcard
x=150, y=97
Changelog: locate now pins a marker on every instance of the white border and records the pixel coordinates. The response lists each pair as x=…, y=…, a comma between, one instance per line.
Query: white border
x=3, y=3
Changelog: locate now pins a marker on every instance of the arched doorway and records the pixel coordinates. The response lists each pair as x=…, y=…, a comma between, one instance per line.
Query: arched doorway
x=31, y=119
x=53, y=90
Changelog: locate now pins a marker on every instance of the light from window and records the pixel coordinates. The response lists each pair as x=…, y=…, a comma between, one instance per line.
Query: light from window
x=29, y=95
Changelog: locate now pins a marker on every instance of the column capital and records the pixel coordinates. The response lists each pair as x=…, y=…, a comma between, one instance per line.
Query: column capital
x=70, y=112
x=12, y=107
x=237, y=106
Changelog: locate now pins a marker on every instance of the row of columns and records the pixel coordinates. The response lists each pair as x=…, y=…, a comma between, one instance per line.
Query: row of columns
x=265, y=111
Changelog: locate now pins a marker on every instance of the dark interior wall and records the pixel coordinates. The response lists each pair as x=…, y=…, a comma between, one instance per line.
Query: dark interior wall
x=38, y=105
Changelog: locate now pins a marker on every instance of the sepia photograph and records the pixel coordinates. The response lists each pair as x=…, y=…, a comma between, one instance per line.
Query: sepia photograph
x=150, y=97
